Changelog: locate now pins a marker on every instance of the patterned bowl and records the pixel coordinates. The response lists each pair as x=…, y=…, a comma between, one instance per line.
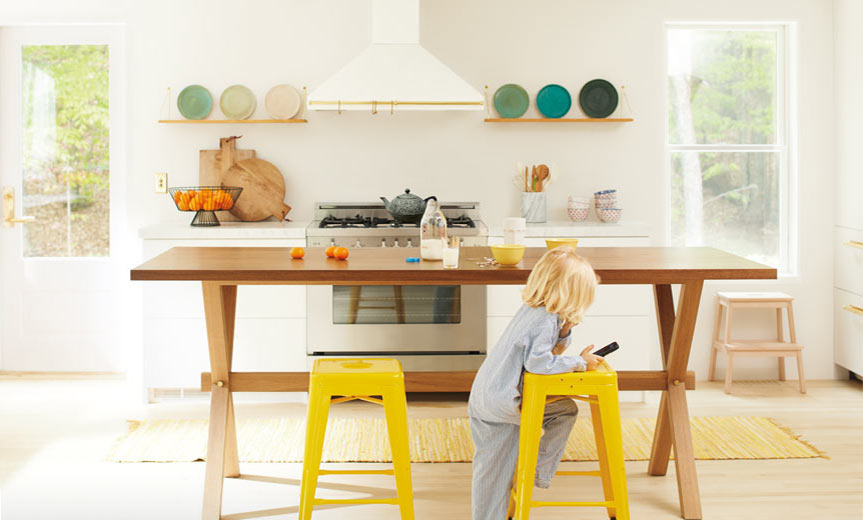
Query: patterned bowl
x=605, y=194
x=610, y=215
x=606, y=203
x=578, y=214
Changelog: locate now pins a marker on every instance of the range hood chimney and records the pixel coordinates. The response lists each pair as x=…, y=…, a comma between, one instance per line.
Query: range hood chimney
x=395, y=72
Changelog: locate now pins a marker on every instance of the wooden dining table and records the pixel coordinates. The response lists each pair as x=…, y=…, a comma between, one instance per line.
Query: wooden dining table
x=222, y=269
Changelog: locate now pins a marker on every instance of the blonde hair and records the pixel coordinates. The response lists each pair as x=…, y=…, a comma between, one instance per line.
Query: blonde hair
x=563, y=282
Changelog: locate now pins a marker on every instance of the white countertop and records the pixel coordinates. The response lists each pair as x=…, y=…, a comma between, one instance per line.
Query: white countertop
x=297, y=230
x=226, y=231
x=565, y=228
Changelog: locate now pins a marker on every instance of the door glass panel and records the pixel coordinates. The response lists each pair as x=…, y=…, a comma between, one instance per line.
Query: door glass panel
x=395, y=304
x=65, y=150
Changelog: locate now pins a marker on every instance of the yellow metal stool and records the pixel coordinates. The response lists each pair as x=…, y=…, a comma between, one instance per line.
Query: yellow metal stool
x=351, y=379
x=597, y=387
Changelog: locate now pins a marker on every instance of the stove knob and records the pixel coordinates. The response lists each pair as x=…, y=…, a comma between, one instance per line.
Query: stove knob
x=358, y=244
x=383, y=242
x=396, y=242
x=410, y=243
x=332, y=242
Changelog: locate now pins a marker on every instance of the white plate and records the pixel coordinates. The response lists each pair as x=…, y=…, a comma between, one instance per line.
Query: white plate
x=282, y=102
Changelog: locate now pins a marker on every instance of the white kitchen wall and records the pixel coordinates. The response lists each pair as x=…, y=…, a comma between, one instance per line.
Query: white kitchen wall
x=357, y=156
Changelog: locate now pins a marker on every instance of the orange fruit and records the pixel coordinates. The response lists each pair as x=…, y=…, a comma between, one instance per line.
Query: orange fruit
x=341, y=253
x=331, y=251
x=297, y=252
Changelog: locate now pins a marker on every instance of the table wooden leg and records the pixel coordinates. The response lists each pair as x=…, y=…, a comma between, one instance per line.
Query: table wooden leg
x=661, y=449
x=213, y=475
x=672, y=423
x=220, y=310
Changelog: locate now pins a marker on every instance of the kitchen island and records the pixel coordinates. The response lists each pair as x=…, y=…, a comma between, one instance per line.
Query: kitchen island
x=221, y=270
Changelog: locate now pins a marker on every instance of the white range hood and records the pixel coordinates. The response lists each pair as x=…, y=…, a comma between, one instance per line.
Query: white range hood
x=395, y=72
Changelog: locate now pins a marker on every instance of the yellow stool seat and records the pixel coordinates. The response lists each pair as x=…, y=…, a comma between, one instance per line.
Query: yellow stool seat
x=346, y=380
x=597, y=387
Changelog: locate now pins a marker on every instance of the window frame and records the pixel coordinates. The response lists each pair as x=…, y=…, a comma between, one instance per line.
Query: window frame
x=786, y=132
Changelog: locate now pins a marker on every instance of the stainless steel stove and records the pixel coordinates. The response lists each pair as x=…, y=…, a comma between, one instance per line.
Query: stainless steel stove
x=427, y=328
x=370, y=225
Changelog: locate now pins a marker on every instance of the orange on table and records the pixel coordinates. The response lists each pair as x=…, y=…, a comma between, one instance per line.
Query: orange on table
x=330, y=251
x=297, y=253
x=341, y=253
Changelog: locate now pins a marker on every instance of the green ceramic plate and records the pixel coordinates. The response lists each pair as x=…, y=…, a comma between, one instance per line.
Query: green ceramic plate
x=598, y=98
x=195, y=102
x=511, y=101
x=237, y=102
x=553, y=101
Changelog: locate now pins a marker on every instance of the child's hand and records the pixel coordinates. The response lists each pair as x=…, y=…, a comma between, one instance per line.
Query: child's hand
x=591, y=360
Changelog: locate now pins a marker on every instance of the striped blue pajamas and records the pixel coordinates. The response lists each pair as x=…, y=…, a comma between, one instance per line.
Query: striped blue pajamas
x=496, y=454
x=495, y=402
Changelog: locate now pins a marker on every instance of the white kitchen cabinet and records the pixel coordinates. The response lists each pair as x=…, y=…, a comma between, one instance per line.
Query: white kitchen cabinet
x=848, y=259
x=622, y=313
x=848, y=47
x=848, y=256
x=270, y=330
x=848, y=330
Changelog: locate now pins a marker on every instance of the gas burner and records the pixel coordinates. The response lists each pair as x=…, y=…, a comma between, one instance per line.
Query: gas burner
x=347, y=222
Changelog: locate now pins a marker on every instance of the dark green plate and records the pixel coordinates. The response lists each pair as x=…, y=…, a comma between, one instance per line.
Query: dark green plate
x=511, y=101
x=553, y=101
x=598, y=98
x=195, y=102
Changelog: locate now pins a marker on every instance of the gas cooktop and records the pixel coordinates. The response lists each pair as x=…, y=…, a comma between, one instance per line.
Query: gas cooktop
x=370, y=224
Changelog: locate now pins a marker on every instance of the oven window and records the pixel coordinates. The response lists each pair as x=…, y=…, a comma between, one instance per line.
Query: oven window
x=396, y=304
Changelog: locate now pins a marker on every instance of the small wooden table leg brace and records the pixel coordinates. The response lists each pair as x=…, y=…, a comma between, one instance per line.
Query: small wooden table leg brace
x=672, y=422
x=220, y=304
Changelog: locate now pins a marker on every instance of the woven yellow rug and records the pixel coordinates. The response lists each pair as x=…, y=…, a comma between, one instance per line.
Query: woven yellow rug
x=280, y=439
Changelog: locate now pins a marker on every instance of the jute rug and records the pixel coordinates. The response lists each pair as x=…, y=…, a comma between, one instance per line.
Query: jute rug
x=280, y=439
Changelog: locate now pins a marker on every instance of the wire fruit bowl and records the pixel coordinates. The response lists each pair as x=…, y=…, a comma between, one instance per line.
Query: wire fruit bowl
x=205, y=201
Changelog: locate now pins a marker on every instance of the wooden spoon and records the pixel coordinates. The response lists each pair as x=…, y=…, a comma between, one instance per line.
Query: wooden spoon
x=541, y=173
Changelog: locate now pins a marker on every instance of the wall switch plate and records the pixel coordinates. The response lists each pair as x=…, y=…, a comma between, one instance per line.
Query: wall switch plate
x=162, y=182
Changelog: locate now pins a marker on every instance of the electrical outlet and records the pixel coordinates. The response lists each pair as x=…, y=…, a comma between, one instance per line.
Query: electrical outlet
x=162, y=182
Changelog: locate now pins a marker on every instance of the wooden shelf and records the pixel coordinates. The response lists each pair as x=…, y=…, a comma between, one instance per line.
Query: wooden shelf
x=559, y=120
x=232, y=121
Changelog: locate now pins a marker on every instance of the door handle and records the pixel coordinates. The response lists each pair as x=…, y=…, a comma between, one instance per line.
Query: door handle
x=853, y=309
x=9, y=219
x=854, y=243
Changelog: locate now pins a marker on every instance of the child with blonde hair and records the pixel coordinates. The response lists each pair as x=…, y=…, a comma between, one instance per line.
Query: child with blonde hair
x=558, y=292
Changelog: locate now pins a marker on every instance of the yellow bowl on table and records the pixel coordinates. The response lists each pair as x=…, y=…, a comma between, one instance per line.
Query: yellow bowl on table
x=551, y=243
x=508, y=254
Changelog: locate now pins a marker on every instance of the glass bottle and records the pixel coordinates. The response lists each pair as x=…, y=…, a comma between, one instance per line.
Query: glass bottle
x=432, y=231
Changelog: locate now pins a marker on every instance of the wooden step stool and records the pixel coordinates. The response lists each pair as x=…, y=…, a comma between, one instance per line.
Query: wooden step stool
x=778, y=348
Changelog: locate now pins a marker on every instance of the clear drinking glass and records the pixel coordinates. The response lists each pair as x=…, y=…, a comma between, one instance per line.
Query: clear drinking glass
x=450, y=253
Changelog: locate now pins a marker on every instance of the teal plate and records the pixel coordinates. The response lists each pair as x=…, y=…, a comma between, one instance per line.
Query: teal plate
x=195, y=102
x=511, y=101
x=598, y=98
x=553, y=101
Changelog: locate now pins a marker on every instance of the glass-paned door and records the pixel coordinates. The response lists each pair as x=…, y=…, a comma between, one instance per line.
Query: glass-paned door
x=61, y=278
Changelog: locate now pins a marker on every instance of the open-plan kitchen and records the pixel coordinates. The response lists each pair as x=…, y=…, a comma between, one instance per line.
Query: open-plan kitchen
x=410, y=259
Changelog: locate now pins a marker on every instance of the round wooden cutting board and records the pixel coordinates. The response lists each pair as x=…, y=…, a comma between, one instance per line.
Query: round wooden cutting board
x=263, y=190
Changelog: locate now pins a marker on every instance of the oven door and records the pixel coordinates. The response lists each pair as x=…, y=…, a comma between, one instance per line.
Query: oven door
x=409, y=319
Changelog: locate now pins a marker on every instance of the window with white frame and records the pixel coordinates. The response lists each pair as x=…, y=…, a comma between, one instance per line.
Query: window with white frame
x=728, y=140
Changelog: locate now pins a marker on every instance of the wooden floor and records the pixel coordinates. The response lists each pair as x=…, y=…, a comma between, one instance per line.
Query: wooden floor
x=54, y=435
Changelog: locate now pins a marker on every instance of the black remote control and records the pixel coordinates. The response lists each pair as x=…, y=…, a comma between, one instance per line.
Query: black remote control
x=608, y=349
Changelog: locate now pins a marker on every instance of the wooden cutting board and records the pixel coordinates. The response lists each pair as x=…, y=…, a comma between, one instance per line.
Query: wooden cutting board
x=263, y=190
x=212, y=164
